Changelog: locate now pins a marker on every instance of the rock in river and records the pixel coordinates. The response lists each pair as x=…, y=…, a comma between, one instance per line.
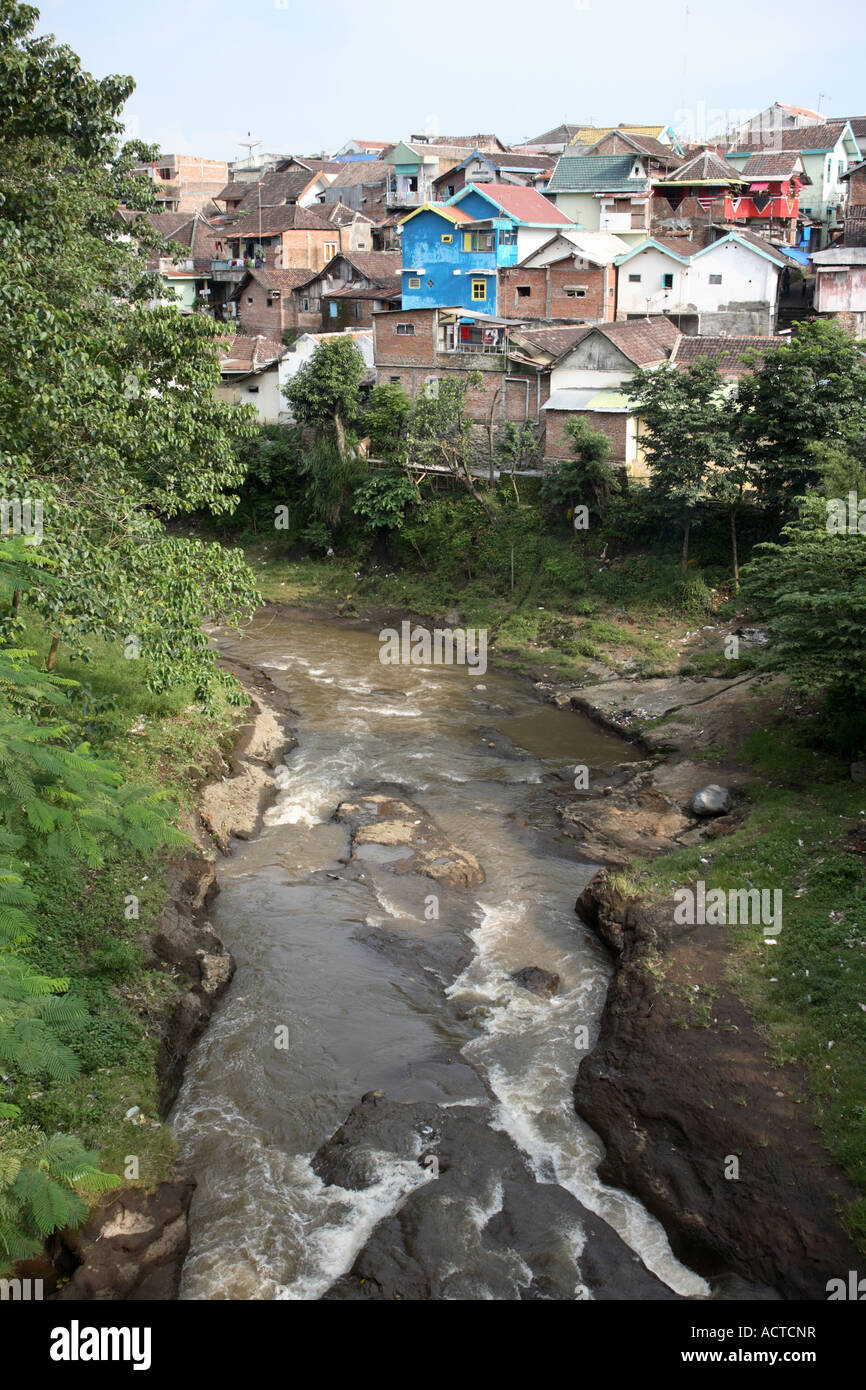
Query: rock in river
x=390, y=830
x=536, y=980
x=712, y=801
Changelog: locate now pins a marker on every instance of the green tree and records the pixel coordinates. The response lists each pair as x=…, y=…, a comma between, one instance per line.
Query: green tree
x=325, y=392
x=811, y=391
x=588, y=478
x=385, y=417
x=107, y=408
x=810, y=588
x=383, y=500
x=439, y=434
x=687, y=428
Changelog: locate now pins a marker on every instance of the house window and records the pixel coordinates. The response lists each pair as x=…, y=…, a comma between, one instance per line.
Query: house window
x=508, y=237
x=415, y=282
x=358, y=308
x=330, y=250
x=270, y=302
x=667, y=282
x=575, y=291
x=249, y=299
x=523, y=291
x=447, y=238
x=479, y=289
x=634, y=279
x=715, y=279
x=395, y=380
x=478, y=241
x=405, y=330
x=305, y=306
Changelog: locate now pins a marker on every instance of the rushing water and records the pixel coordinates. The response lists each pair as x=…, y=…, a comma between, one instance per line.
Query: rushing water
x=251, y=1114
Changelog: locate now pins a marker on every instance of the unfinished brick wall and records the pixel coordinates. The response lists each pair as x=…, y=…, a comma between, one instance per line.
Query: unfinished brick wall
x=260, y=315
x=558, y=444
x=548, y=296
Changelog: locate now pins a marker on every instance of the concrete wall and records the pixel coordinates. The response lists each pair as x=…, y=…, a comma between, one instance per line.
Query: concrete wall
x=745, y=299
x=262, y=391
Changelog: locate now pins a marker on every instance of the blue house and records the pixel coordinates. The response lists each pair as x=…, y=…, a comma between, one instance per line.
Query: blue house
x=453, y=251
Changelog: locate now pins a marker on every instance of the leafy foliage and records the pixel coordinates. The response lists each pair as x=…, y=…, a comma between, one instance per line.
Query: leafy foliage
x=811, y=589
x=588, y=478
x=107, y=410
x=813, y=390
x=383, y=499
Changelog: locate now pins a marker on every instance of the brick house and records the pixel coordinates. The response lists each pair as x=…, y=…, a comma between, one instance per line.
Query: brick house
x=267, y=305
x=414, y=348
x=292, y=238
x=185, y=182
x=591, y=378
x=571, y=276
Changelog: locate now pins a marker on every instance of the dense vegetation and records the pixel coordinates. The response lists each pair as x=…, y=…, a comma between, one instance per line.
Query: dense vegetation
x=109, y=430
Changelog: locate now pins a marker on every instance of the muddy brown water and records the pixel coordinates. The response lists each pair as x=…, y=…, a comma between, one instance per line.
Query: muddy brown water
x=316, y=1017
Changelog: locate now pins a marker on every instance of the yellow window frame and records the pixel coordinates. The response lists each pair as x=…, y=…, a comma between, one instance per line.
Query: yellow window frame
x=479, y=285
x=414, y=282
x=447, y=237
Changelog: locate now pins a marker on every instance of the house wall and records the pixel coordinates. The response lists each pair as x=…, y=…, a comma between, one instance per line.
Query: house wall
x=857, y=188
x=261, y=390
x=413, y=362
x=744, y=302
x=256, y=315
x=548, y=298
x=585, y=210
x=423, y=247
x=619, y=427
x=841, y=290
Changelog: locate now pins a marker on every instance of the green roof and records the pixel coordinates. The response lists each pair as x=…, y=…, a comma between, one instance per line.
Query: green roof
x=595, y=173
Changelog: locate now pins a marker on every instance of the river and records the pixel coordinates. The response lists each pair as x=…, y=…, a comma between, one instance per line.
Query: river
x=319, y=1013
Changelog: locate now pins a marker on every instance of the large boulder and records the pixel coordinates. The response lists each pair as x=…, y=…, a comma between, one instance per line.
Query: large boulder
x=712, y=800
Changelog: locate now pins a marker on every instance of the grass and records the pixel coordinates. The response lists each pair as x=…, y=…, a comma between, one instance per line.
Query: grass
x=83, y=927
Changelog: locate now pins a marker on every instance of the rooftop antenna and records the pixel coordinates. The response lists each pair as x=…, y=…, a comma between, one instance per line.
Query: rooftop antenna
x=249, y=145
x=821, y=96
x=685, y=55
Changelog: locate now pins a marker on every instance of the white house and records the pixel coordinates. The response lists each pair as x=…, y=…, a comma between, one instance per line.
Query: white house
x=255, y=370
x=730, y=286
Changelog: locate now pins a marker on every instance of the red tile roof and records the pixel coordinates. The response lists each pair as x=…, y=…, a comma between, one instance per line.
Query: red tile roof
x=523, y=203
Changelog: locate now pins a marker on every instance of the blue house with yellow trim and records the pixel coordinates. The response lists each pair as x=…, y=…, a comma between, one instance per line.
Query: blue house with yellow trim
x=452, y=251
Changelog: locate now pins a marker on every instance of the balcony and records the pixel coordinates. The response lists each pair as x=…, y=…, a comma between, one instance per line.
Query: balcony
x=397, y=197
x=228, y=271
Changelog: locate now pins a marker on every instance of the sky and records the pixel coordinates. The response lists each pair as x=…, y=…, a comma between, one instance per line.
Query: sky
x=303, y=77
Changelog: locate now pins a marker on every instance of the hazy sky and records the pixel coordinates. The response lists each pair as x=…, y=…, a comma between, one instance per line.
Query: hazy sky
x=303, y=77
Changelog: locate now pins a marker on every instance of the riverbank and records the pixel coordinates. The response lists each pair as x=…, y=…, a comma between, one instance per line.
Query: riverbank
x=728, y=1074
x=136, y=941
